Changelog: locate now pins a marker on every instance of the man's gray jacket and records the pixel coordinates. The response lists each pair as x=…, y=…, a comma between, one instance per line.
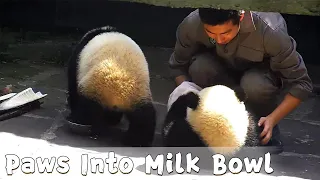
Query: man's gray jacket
x=262, y=37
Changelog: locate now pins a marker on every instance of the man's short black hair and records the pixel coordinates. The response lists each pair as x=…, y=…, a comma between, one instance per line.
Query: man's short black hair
x=215, y=17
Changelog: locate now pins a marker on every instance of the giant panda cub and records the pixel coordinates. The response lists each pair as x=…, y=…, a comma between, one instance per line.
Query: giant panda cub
x=213, y=117
x=108, y=77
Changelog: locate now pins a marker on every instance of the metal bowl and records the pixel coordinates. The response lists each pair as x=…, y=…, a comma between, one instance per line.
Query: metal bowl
x=79, y=128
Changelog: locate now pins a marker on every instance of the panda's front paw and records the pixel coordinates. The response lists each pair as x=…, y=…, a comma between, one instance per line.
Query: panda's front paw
x=134, y=141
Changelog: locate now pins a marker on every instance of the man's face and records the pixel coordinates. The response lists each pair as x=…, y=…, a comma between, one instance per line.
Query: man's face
x=224, y=33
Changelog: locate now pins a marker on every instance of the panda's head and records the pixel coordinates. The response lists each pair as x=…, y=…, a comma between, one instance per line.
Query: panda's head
x=113, y=70
x=220, y=118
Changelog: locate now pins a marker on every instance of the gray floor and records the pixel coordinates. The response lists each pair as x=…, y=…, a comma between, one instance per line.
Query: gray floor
x=300, y=130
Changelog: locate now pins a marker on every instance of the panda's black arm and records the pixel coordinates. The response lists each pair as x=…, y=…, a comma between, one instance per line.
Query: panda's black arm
x=190, y=100
x=179, y=107
x=176, y=131
x=180, y=134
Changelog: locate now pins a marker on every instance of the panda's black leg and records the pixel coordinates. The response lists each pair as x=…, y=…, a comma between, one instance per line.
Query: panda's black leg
x=80, y=112
x=98, y=119
x=112, y=118
x=91, y=113
x=142, y=125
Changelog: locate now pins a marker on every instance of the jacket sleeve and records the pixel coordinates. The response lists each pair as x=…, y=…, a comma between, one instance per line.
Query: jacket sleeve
x=184, y=49
x=288, y=62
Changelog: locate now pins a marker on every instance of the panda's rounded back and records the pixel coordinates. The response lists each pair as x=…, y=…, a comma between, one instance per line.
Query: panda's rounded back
x=113, y=68
x=220, y=119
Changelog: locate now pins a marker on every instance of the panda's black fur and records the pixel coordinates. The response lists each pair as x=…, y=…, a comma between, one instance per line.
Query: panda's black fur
x=85, y=110
x=177, y=132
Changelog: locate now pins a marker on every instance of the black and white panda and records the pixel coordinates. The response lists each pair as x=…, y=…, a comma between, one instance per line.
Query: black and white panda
x=108, y=77
x=214, y=117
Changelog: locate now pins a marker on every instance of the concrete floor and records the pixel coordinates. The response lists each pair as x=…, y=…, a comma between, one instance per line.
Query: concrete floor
x=28, y=134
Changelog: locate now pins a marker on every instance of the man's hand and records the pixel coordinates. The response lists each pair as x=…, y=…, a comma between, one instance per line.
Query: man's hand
x=180, y=79
x=286, y=106
x=268, y=125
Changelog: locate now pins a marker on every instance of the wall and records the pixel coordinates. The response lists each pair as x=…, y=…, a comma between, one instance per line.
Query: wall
x=149, y=25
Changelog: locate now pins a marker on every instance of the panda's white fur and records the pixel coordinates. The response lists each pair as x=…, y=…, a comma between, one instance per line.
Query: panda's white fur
x=220, y=119
x=108, y=77
x=214, y=117
x=117, y=58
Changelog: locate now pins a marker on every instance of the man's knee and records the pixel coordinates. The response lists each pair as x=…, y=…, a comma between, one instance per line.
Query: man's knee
x=204, y=68
x=260, y=86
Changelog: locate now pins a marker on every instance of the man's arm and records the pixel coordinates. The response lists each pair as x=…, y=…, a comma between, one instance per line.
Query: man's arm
x=184, y=49
x=290, y=65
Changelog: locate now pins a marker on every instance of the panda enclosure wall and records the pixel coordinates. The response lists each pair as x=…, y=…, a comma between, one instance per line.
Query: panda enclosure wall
x=148, y=25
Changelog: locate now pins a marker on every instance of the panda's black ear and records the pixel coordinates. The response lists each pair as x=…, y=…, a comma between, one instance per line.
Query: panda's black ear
x=240, y=93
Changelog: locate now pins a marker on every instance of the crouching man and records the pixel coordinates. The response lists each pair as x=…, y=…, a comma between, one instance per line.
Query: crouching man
x=252, y=49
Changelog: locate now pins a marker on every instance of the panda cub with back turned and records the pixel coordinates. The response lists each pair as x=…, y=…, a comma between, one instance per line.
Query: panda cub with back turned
x=108, y=77
x=213, y=117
